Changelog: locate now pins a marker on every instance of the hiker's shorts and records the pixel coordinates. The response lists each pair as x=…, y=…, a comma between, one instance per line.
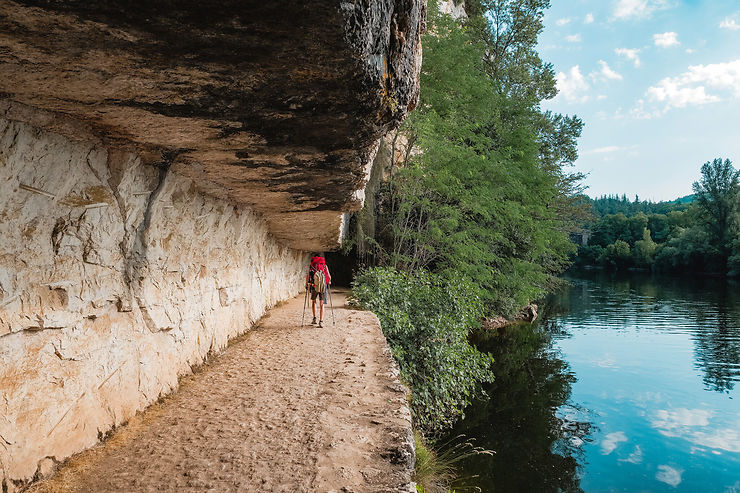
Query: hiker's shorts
x=314, y=294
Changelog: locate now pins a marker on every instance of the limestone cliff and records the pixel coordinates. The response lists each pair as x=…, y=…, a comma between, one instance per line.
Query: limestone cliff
x=164, y=167
x=115, y=278
x=278, y=105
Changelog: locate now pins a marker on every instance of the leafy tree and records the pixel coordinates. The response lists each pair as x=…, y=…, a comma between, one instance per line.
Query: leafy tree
x=509, y=30
x=690, y=250
x=644, y=250
x=659, y=227
x=588, y=255
x=717, y=195
x=619, y=227
x=617, y=255
x=469, y=192
x=477, y=201
x=733, y=263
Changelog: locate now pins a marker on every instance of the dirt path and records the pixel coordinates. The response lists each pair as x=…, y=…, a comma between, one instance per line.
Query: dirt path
x=284, y=408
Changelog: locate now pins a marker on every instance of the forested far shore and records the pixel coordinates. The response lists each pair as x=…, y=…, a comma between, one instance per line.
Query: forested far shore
x=699, y=233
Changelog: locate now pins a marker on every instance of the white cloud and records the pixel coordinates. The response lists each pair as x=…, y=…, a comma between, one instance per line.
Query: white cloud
x=638, y=9
x=607, y=73
x=573, y=38
x=635, y=457
x=691, y=87
x=669, y=475
x=735, y=488
x=665, y=40
x=603, y=150
x=668, y=422
x=730, y=24
x=612, y=441
x=675, y=96
x=693, y=425
x=589, y=18
x=690, y=50
x=562, y=22
x=572, y=86
x=630, y=54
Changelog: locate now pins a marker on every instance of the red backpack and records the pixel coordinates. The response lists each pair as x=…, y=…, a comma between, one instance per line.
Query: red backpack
x=317, y=274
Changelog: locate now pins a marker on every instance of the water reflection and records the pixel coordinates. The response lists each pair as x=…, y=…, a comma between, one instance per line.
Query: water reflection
x=706, y=308
x=718, y=350
x=626, y=384
x=519, y=421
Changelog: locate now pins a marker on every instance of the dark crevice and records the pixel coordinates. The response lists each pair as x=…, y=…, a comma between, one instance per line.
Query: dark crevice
x=137, y=263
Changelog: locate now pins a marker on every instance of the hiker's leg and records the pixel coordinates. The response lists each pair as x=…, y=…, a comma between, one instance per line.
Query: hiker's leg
x=313, y=307
x=321, y=309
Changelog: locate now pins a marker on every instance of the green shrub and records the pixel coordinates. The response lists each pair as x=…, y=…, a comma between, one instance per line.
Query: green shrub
x=427, y=321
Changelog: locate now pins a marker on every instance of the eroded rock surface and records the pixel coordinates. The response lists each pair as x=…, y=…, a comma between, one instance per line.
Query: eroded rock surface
x=278, y=105
x=115, y=278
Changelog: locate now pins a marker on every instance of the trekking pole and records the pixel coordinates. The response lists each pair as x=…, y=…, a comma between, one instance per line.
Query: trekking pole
x=305, y=301
x=331, y=304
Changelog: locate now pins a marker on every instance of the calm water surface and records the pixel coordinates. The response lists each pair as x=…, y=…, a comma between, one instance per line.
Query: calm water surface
x=627, y=384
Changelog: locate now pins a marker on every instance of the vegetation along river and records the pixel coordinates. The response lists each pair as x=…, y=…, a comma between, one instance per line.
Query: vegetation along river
x=626, y=384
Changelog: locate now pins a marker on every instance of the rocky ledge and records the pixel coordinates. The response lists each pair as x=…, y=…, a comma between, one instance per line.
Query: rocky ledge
x=276, y=105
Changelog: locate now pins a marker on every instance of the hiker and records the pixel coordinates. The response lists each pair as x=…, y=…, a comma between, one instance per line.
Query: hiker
x=318, y=279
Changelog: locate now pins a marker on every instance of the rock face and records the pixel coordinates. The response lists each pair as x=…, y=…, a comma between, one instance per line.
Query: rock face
x=278, y=105
x=164, y=167
x=115, y=278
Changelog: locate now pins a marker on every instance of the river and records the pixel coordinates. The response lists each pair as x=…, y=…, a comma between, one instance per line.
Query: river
x=625, y=384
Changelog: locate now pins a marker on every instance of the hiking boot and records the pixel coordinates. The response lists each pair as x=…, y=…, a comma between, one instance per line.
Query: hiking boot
x=321, y=324
x=313, y=322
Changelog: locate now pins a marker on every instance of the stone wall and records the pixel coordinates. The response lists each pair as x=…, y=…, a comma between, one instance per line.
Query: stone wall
x=116, y=277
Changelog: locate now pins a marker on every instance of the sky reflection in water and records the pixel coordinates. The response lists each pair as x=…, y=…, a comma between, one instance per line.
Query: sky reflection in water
x=658, y=363
x=644, y=374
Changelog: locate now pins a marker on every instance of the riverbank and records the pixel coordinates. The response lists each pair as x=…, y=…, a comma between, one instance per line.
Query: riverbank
x=283, y=408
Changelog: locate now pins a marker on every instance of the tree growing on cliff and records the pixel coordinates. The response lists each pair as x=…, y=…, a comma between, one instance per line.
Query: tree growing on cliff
x=509, y=30
x=484, y=194
x=477, y=200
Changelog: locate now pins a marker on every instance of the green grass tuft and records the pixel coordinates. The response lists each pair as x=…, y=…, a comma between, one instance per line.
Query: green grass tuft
x=436, y=468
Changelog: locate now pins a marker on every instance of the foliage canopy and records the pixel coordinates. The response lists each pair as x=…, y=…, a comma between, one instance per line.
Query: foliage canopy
x=477, y=183
x=696, y=235
x=472, y=212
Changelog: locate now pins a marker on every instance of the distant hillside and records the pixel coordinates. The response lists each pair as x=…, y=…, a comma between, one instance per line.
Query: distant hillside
x=615, y=204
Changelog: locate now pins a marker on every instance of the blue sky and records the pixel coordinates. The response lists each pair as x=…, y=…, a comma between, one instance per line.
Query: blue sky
x=657, y=83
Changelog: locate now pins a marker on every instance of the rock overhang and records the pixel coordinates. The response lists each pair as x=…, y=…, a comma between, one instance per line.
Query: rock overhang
x=277, y=105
